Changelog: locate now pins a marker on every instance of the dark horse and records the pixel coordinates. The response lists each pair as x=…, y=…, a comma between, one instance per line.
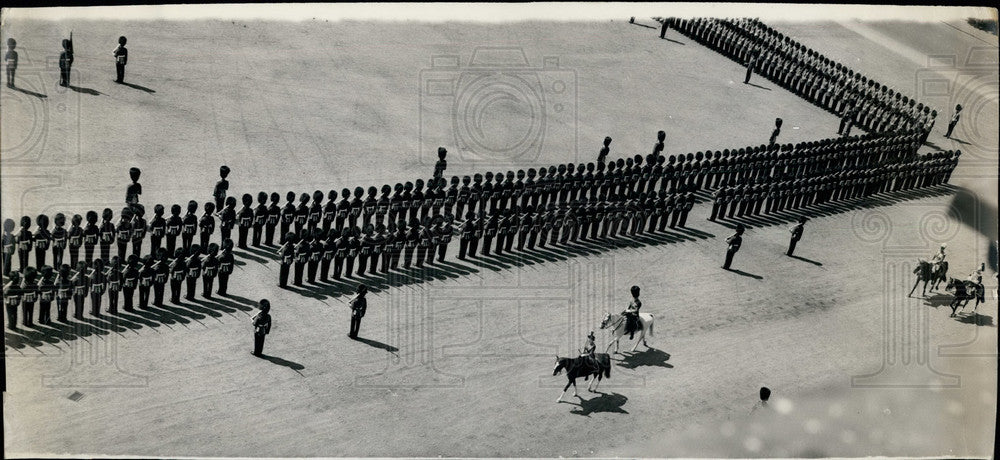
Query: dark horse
x=584, y=367
x=929, y=273
x=964, y=292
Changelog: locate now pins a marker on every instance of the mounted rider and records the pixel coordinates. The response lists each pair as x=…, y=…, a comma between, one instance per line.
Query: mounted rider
x=632, y=314
x=937, y=259
x=590, y=348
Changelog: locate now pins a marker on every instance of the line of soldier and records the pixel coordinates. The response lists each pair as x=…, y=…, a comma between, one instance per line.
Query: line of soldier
x=857, y=99
x=119, y=279
x=382, y=247
x=831, y=185
x=102, y=233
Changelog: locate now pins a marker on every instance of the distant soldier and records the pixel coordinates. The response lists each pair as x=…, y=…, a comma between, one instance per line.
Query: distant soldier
x=287, y=218
x=178, y=271
x=261, y=327
x=226, y=265
x=751, y=64
x=121, y=58
x=157, y=229
x=302, y=215
x=25, y=241
x=174, y=227
x=193, y=272
x=10, y=58
x=369, y=206
x=12, y=297
x=358, y=306
x=602, y=156
x=776, y=132
x=316, y=245
x=209, y=270
x=286, y=255
x=66, y=60
x=161, y=273
x=273, y=218
x=190, y=226
x=366, y=246
x=130, y=279
x=98, y=284
x=245, y=220
x=329, y=253
x=260, y=215
x=79, y=280
x=147, y=272
x=221, y=187
x=796, y=232
x=29, y=295
x=441, y=164
x=735, y=241
x=113, y=276
x=358, y=204
x=227, y=218
x=64, y=292
x=315, y=219
x=46, y=294
x=954, y=120
x=9, y=245
x=301, y=258
x=412, y=238
x=133, y=190
x=329, y=211
x=343, y=209
x=43, y=239
x=124, y=231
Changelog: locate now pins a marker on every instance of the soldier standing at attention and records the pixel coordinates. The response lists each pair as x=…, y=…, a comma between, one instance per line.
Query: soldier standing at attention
x=358, y=306
x=121, y=58
x=273, y=217
x=174, y=224
x=261, y=327
x=130, y=279
x=66, y=60
x=602, y=156
x=209, y=270
x=157, y=229
x=9, y=243
x=244, y=218
x=287, y=217
x=796, y=232
x=42, y=239
x=954, y=120
x=301, y=257
x=190, y=226
x=113, y=276
x=226, y=262
x=751, y=63
x=776, y=132
x=221, y=187
x=25, y=241
x=441, y=164
x=193, y=273
x=29, y=294
x=124, y=231
x=161, y=271
x=12, y=298
x=64, y=290
x=286, y=253
x=227, y=218
x=46, y=294
x=734, y=242
x=11, y=59
x=260, y=214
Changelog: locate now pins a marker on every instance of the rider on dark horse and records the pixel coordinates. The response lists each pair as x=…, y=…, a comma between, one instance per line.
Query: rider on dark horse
x=632, y=314
x=589, y=348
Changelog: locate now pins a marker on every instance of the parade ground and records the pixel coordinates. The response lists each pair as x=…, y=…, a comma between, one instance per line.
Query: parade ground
x=458, y=361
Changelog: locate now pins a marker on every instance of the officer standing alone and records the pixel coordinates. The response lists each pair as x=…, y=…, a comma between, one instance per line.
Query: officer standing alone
x=734, y=242
x=121, y=58
x=358, y=306
x=796, y=232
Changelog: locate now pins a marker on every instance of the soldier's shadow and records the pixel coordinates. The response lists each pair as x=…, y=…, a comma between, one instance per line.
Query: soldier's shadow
x=79, y=89
x=138, y=87
x=30, y=93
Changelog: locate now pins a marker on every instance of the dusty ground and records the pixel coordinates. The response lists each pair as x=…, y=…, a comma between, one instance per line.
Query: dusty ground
x=459, y=362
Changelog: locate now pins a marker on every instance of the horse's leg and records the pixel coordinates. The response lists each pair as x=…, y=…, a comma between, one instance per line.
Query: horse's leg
x=598, y=380
x=642, y=335
x=954, y=306
x=925, y=289
x=574, y=389
x=564, y=391
x=590, y=387
x=914, y=288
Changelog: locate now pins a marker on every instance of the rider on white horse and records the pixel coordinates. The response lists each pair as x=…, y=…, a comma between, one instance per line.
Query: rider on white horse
x=632, y=313
x=936, y=259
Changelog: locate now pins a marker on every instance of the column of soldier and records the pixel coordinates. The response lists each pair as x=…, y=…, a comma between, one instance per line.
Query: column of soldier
x=830, y=170
x=858, y=100
x=497, y=212
x=103, y=273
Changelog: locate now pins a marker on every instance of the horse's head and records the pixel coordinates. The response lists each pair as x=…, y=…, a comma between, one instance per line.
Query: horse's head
x=952, y=282
x=560, y=364
x=604, y=322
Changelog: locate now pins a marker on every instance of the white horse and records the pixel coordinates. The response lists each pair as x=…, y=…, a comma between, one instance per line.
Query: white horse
x=616, y=322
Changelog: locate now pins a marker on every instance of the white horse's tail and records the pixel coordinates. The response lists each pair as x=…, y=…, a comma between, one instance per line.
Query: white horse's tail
x=650, y=325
